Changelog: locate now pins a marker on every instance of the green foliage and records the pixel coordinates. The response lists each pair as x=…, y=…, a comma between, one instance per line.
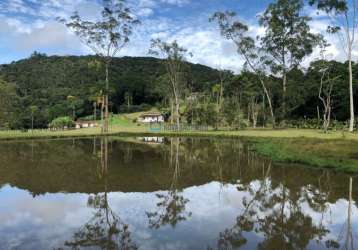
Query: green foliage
x=46, y=82
x=206, y=114
x=288, y=38
x=62, y=122
x=9, y=105
x=233, y=114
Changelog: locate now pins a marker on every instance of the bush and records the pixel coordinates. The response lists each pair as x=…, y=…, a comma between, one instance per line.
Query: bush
x=61, y=122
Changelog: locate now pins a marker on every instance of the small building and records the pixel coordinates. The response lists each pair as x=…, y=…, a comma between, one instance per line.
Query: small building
x=86, y=124
x=151, y=118
x=152, y=140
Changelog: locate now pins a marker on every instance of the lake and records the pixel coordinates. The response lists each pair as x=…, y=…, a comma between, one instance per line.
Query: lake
x=168, y=193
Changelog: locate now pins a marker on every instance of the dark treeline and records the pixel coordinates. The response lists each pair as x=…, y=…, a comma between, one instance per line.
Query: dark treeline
x=46, y=87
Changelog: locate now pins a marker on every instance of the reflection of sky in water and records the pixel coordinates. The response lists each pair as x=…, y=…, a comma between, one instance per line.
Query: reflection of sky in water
x=47, y=221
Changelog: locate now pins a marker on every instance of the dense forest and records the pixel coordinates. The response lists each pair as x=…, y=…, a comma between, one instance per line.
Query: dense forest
x=41, y=85
x=45, y=83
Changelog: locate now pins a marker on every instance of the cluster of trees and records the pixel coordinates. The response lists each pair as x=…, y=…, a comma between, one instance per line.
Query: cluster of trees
x=272, y=89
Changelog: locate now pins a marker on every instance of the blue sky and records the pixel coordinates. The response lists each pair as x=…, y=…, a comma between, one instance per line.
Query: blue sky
x=29, y=25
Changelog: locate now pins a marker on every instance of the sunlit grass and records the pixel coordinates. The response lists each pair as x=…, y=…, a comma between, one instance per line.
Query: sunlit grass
x=340, y=155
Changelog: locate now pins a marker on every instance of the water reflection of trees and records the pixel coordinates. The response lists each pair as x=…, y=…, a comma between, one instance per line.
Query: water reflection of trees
x=272, y=211
x=347, y=233
x=171, y=208
x=105, y=229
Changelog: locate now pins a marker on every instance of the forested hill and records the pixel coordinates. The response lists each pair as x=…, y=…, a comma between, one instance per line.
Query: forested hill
x=46, y=82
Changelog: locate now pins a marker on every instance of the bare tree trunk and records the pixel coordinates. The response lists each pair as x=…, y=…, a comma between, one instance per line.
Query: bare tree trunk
x=176, y=101
x=263, y=111
x=172, y=111
x=220, y=101
x=284, y=96
x=32, y=123
x=94, y=111
x=351, y=121
x=254, y=112
x=177, y=112
x=349, y=236
x=102, y=116
x=106, y=112
x=269, y=103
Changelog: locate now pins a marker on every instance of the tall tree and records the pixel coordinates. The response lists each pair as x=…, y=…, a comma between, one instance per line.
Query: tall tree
x=237, y=32
x=33, y=110
x=287, y=40
x=174, y=59
x=345, y=19
x=105, y=37
x=72, y=102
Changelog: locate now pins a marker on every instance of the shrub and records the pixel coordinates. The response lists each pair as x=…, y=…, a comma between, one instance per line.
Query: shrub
x=61, y=122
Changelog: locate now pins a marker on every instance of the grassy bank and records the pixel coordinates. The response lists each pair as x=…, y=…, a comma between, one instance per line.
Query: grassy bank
x=336, y=150
x=341, y=155
x=144, y=130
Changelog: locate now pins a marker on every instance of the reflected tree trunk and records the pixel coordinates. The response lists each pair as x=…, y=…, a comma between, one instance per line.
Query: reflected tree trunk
x=349, y=244
x=171, y=207
x=105, y=230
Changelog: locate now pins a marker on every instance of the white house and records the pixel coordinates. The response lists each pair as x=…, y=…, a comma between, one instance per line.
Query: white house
x=151, y=118
x=85, y=124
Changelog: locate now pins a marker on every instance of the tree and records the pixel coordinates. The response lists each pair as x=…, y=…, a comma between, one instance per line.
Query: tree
x=325, y=94
x=33, y=109
x=325, y=67
x=236, y=31
x=105, y=37
x=72, y=102
x=287, y=40
x=346, y=24
x=174, y=57
x=62, y=122
x=224, y=75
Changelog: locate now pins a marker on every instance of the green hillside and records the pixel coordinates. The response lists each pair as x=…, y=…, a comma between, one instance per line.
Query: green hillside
x=47, y=81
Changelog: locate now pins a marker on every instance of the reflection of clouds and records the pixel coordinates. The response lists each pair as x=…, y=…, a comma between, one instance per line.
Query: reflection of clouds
x=48, y=221
x=48, y=209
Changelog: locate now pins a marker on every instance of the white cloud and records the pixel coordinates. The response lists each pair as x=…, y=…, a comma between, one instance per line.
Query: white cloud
x=176, y=2
x=145, y=12
x=25, y=28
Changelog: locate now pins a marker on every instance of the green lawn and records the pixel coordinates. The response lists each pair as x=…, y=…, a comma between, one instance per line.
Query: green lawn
x=340, y=155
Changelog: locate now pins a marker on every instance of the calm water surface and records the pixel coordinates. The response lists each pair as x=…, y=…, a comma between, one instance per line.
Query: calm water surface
x=171, y=193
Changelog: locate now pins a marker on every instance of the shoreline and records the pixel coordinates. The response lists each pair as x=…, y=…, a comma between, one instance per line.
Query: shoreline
x=337, y=151
x=143, y=131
